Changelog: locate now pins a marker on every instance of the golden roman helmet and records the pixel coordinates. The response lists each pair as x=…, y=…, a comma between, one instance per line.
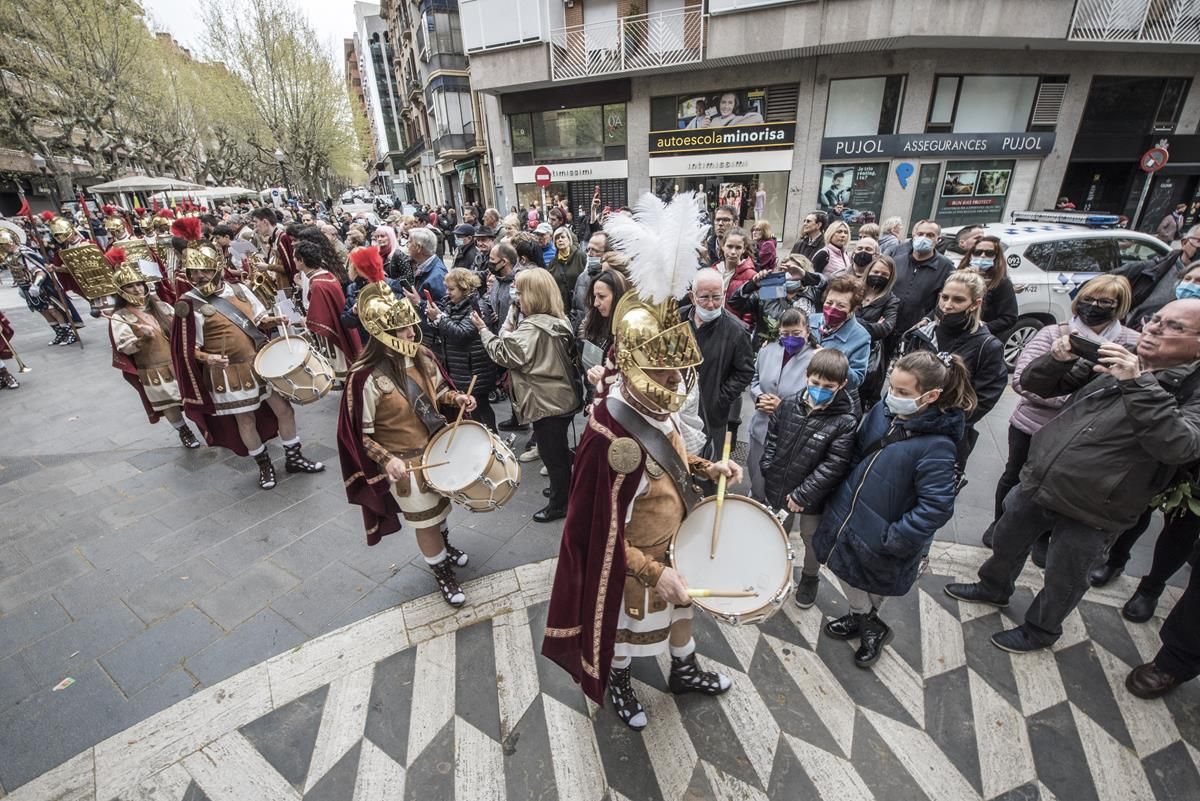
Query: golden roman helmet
x=162, y=220
x=199, y=255
x=6, y=237
x=114, y=223
x=660, y=241
x=650, y=336
x=61, y=229
x=126, y=272
x=383, y=315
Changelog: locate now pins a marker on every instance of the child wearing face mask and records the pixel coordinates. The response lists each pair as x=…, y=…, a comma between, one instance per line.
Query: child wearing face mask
x=810, y=441
x=881, y=520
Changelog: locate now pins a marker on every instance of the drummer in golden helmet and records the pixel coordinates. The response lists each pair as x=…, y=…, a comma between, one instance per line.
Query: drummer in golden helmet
x=615, y=594
x=139, y=331
x=218, y=330
x=114, y=224
x=37, y=286
x=389, y=411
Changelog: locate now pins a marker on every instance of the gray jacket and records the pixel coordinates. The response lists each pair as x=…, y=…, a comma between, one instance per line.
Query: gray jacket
x=1115, y=445
x=537, y=355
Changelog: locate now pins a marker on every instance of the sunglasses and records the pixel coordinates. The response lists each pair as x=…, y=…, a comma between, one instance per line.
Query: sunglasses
x=982, y=252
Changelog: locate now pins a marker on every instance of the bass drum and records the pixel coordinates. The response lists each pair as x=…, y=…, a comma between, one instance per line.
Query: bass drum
x=294, y=369
x=477, y=470
x=753, y=554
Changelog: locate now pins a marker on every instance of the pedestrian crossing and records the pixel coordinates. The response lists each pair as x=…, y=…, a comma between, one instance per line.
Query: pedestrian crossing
x=429, y=703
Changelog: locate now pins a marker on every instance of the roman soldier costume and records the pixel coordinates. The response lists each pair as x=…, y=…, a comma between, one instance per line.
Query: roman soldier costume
x=7, y=379
x=215, y=338
x=389, y=410
x=277, y=255
x=323, y=318
x=138, y=330
x=38, y=288
x=632, y=483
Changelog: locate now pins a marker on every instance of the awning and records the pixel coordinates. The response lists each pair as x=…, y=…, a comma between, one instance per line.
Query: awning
x=145, y=183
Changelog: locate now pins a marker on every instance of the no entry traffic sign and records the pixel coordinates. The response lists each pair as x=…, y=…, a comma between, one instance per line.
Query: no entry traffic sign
x=1154, y=159
x=542, y=177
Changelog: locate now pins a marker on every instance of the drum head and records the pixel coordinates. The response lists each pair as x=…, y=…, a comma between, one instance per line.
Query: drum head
x=281, y=356
x=468, y=456
x=752, y=554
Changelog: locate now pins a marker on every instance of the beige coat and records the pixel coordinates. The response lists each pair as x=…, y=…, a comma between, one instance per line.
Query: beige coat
x=536, y=357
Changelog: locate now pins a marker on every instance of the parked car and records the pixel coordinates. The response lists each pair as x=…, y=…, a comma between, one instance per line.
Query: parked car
x=1050, y=255
x=347, y=196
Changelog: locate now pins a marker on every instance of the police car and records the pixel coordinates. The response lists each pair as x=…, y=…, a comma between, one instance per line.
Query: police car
x=1050, y=255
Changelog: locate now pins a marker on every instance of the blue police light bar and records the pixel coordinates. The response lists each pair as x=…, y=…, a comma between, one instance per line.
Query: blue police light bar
x=1068, y=218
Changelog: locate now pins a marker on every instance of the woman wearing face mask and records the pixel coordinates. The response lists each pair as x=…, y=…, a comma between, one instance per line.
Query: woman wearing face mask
x=880, y=522
x=837, y=327
x=958, y=329
x=765, y=256
x=1000, y=299
x=568, y=262
x=878, y=314
x=832, y=258
x=1096, y=314
x=458, y=345
x=778, y=375
x=810, y=441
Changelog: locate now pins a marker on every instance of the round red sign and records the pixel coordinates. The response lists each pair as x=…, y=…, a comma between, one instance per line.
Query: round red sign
x=1154, y=159
x=541, y=176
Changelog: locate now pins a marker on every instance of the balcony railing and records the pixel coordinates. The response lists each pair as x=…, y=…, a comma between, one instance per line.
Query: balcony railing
x=1174, y=22
x=414, y=150
x=645, y=41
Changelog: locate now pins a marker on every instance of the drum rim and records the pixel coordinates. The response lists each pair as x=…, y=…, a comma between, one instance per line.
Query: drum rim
x=425, y=457
x=720, y=613
x=309, y=353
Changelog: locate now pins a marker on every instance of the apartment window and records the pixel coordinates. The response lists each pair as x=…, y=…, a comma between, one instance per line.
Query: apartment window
x=864, y=106
x=1127, y=105
x=982, y=103
x=451, y=112
x=440, y=33
x=590, y=133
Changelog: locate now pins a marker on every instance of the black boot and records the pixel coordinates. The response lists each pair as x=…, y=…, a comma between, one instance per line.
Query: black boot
x=459, y=558
x=1103, y=573
x=875, y=635
x=846, y=627
x=187, y=438
x=296, y=463
x=687, y=677
x=443, y=571
x=1141, y=606
x=625, y=702
x=266, y=470
x=7, y=380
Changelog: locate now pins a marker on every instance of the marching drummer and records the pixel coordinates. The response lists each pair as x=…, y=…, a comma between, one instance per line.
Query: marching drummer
x=218, y=330
x=324, y=305
x=389, y=411
x=138, y=330
x=632, y=485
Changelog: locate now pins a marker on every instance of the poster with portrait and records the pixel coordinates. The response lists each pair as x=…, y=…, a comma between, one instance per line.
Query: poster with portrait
x=974, y=192
x=722, y=109
x=857, y=189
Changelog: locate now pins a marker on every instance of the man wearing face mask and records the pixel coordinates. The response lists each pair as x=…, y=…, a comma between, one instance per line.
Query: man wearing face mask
x=464, y=241
x=864, y=252
x=728, y=365
x=920, y=274
x=496, y=300
x=1154, y=280
x=597, y=246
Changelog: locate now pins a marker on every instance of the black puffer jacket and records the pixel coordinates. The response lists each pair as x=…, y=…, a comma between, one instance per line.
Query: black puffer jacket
x=460, y=349
x=746, y=301
x=808, y=451
x=982, y=354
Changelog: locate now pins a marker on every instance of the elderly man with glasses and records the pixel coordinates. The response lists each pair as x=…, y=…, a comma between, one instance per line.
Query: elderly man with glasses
x=1132, y=422
x=1154, y=280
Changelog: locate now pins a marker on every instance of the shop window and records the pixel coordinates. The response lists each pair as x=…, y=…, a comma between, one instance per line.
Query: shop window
x=863, y=106
x=521, y=130
x=1085, y=256
x=973, y=192
x=857, y=188
x=1128, y=105
x=982, y=103
x=591, y=133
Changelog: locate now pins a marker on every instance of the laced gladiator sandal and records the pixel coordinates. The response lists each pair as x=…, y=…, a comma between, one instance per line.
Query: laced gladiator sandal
x=296, y=463
x=60, y=333
x=7, y=380
x=625, y=702
x=687, y=677
x=188, y=439
x=71, y=337
x=443, y=571
x=266, y=470
x=459, y=558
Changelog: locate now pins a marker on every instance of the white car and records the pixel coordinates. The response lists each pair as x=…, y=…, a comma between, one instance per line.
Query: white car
x=348, y=196
x=1050, y=255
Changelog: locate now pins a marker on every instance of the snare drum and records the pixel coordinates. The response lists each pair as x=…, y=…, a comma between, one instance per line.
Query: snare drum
x=480, y=471
x=753, y=553
x=294, y=369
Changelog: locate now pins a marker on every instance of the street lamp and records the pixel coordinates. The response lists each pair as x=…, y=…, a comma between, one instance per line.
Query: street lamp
x=281, y=158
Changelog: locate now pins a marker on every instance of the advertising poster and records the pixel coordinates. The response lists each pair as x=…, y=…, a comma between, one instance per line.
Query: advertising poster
x=722, y=109
x=973, y=192
x=855, y=191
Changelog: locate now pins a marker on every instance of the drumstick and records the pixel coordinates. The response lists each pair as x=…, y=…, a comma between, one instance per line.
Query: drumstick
x=426, y=466
x=716, y=532
x=693, y=593
x=457, y=420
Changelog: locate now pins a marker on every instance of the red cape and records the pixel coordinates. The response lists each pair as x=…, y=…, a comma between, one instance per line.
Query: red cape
x=589, y=584
x=366, y=485
x=6, y=329
x=325, y=303
x=284, y=246
x=128, y=370
x=221, y=431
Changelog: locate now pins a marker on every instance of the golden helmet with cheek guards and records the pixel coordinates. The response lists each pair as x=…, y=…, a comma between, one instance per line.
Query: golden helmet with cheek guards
x=382, y=314
x=651, y=336
x=62, y=230
x=200, y=256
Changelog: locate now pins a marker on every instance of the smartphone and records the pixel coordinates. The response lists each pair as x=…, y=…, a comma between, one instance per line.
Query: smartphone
x=428, y=295
x=1085, y=348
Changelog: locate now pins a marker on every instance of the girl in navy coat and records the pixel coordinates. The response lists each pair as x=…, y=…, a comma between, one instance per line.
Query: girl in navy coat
x=880, y=523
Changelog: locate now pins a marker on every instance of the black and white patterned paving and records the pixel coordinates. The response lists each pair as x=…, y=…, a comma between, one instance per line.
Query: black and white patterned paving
x=423, y=703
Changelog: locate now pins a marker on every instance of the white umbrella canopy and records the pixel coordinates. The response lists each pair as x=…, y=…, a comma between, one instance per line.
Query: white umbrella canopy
x=145, y=183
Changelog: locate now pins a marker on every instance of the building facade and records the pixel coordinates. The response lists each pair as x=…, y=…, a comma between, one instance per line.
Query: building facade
x=383, y=102
x=959, y=111
x=446, y=155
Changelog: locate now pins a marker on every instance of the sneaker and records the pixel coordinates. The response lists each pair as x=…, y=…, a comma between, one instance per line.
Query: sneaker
x=544, y=471
x=530, y=455
x=806, y=591
x=687, y=677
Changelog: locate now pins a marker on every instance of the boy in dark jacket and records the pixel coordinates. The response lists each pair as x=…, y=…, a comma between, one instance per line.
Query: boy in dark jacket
x=810, y=441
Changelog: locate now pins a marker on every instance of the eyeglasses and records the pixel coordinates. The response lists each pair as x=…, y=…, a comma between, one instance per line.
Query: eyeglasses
x=1103, y=303
x=981, y=252
x=1174, y=326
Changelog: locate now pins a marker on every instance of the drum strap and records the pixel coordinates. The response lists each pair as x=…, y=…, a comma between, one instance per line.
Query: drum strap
x=421, y=404
x=660, y=449
x=235, y=316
